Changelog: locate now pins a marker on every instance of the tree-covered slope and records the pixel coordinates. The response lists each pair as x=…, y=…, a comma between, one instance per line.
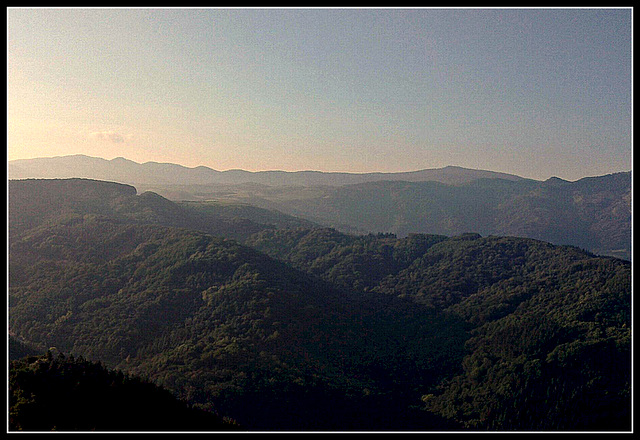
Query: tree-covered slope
x=549, y=326
x=222, y=325
x=312, y=329
x=592, y=213
x=48, y=393
x=39, y=202
x=550, y=347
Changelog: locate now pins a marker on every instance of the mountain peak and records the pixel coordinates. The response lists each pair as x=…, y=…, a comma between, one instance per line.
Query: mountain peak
x=121, y=159
x=123, y=170
x=556, y=181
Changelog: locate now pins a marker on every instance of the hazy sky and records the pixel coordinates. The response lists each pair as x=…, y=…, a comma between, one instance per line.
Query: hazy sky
x=534, y=92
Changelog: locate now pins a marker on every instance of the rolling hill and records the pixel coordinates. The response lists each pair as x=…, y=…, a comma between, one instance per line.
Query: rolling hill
x=313, y=329
x=34, y=202
x=593, y=213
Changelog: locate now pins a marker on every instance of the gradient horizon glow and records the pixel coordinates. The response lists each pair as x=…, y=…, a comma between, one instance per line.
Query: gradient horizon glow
x=532, y=92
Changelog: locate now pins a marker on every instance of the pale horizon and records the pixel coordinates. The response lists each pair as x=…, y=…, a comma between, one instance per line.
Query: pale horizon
x=537, y=93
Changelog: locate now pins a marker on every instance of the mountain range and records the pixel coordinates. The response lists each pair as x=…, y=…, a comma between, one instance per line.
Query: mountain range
x=593, y=213
x=153, y=173
x=286, y=326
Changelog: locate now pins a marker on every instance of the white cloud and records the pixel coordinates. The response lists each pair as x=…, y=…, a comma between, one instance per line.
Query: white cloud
x=111, y=136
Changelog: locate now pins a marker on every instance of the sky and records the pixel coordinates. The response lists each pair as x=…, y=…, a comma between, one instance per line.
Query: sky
x=533, y=92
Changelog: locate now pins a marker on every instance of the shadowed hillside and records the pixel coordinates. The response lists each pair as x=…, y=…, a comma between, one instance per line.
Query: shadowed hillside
x=48, y=393
x=593, y=213
x=35, y=202
x=313, y=329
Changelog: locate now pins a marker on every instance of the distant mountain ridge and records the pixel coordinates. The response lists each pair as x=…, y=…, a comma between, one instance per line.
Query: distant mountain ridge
x=36, y=202
x=593, y=213
x=153, y=173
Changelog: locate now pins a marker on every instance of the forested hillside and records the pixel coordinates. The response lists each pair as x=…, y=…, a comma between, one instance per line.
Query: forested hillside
x=56, y=393
x=546, y=324
x=592, y=213
x=34, y=203
x=313, y=329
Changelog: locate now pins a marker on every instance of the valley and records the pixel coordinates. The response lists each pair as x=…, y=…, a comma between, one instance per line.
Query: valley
x=285, y=325
x=283, y=220
x=592, y=213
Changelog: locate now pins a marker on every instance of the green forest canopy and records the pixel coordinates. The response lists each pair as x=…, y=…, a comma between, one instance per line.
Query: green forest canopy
x=312, y=329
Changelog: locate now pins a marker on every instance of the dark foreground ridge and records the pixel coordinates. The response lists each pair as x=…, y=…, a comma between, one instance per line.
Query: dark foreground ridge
x=58, y=393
